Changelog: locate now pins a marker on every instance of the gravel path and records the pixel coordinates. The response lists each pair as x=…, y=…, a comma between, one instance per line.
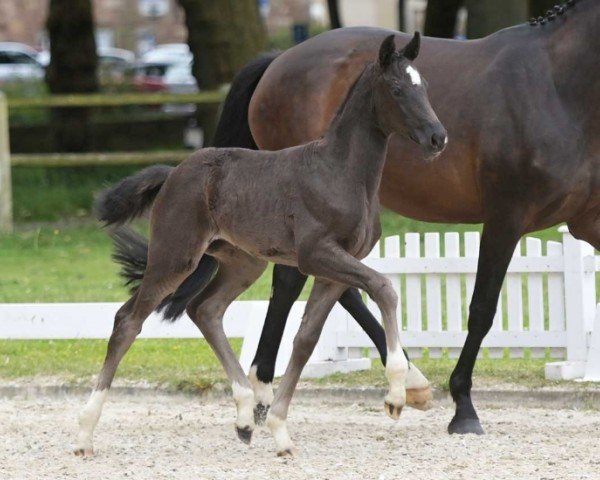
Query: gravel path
x=172, y=437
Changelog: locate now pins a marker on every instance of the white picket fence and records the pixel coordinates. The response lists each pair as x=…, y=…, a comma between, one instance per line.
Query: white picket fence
x=548, y=304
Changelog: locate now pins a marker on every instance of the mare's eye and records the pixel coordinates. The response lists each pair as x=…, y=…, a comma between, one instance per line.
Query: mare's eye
x=396, y=91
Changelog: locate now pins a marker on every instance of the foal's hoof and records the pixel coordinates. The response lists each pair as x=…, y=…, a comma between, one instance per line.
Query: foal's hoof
x=419, y=398
x=84, y=452
x=244, y=434
x=463, y=426
x=393, y=411
x=288, y=452
x=260, y=413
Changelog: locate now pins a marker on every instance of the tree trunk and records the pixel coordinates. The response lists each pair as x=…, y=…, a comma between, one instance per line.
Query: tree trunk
x=540, y=7
x=440, y=18
x=334, y=14
x=488, y=16
x=72, y=69
x=222, y=36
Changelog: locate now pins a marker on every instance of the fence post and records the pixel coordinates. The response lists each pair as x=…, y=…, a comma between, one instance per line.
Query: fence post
x=6, y=217
x=580, y=303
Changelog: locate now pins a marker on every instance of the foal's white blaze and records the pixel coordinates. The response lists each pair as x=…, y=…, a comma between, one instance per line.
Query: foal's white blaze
x=244, y=399
x=396, y=371
x=263, y=392
x=88, y=419
x=280, y=433
x=415, y=76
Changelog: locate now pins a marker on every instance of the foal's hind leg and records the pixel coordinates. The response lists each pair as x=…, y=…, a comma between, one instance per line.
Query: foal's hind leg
x=164, y=273
x=237, y=271
x=128, y=324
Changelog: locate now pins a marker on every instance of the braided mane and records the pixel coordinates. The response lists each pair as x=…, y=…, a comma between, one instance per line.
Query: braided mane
x=551, y=14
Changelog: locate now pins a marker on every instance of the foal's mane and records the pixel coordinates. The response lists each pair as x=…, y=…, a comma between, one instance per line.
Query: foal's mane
x=369, y=67
x=553, y=13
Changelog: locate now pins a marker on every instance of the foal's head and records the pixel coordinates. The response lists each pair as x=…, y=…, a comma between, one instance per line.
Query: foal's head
x=401, y=99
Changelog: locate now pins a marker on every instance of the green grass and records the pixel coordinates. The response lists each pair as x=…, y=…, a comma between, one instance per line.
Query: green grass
x=182, y=364
x=51, y=194
x=70, y=262
x=190, y=365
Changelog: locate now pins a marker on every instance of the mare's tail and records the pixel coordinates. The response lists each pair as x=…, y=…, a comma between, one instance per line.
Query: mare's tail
x=131, y=249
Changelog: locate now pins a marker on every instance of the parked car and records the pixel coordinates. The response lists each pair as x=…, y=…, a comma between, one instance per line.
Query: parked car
x=169, y=53
x=165, y=77
x=18, y=62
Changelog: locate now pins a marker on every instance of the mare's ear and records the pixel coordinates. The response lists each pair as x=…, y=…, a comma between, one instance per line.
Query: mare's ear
x=411, y=51
x=386, y=52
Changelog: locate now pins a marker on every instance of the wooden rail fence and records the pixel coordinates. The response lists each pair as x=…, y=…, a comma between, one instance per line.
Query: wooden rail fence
x=84, y=159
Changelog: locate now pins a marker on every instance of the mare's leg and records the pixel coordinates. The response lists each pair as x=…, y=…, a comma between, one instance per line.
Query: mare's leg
x=287, y=285
x=418, y=389
x=353, y=303
x=498, y=243
x=237, y=271
x=163, y=275
x=322, y=299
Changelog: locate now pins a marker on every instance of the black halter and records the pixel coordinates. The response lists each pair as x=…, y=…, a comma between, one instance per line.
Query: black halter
x=551, y=14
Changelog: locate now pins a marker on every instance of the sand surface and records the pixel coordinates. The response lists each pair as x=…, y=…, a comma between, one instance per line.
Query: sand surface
x=173, y=437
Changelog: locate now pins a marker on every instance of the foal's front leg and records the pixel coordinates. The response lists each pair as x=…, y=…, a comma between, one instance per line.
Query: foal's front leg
x=322, y=298
x=333, y=263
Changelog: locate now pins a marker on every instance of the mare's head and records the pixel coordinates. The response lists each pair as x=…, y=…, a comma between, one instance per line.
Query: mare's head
x=401, y=99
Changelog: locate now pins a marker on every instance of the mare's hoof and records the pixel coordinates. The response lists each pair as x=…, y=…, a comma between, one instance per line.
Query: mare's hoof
x=419, y=398
x=260, y=413
x=244, y=434
x=462, y=426
x=83, y=452
x=393, y=411
x=288, y=452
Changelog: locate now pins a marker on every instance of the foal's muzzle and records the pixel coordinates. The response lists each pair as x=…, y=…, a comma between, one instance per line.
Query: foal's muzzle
x=432, y=139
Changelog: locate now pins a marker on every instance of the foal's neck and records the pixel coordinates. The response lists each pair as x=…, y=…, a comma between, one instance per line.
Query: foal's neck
x=355, y=142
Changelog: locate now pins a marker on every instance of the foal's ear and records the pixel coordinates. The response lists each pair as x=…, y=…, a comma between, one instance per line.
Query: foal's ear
x=411, y=51
x=386, y=52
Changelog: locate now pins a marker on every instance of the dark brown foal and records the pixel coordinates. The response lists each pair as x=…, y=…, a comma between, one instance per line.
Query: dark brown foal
x=314, y=206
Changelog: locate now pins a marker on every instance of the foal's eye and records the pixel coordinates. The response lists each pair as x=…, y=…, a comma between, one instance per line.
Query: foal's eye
x=396, y=91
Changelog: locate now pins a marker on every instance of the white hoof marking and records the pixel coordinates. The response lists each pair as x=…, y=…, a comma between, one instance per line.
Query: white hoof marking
x=279, y=430
x=244, y=400
x=88, y=419
x=263, y=392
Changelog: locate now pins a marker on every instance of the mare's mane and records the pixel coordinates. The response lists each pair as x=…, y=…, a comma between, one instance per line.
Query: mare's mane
x=553, y=13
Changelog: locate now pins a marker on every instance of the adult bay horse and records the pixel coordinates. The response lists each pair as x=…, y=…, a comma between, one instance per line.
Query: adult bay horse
x=521, y=109
x=313, y=206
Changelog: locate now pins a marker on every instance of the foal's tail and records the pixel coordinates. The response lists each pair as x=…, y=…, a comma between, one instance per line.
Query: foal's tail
x=132, y=196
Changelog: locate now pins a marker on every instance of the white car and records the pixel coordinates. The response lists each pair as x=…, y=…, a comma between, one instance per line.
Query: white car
x=169, y=53
x=18, y=62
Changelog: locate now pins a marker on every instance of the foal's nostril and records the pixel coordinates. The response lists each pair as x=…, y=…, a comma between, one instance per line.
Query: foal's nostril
x=439, y=140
